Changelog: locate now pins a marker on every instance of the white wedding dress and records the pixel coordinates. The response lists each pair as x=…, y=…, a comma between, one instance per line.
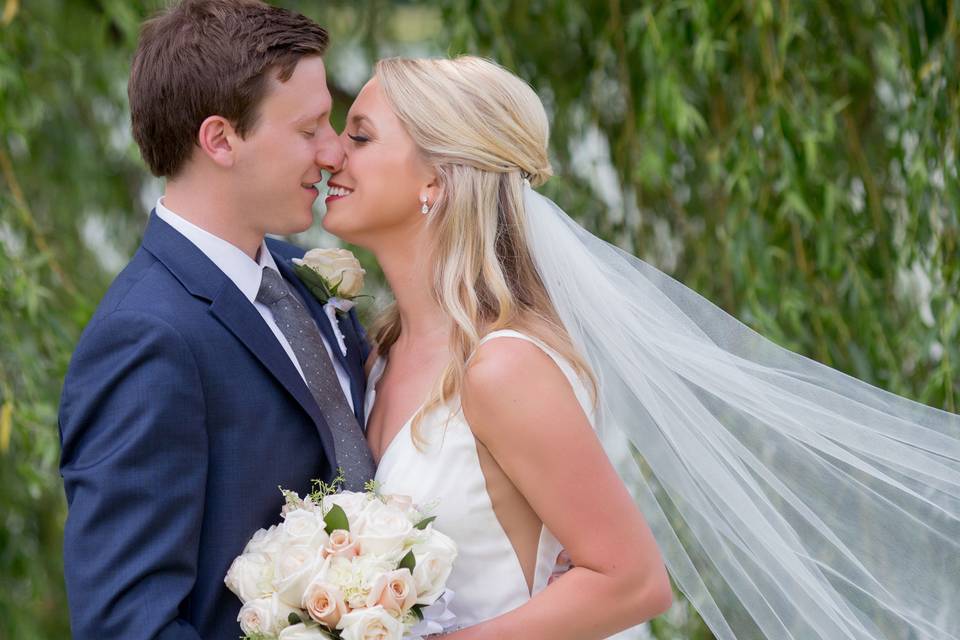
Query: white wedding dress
x=487, y=577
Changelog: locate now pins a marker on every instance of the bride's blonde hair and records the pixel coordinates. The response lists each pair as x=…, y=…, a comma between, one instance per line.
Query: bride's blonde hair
x=483, y=130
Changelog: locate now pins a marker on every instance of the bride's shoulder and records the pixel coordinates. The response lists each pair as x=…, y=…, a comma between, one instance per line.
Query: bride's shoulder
x=505, y=353
x=510, y=374
x=505, y=350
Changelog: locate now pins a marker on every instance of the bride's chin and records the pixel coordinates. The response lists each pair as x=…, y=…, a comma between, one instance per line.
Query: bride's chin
x=332, y=225
x=329, y=223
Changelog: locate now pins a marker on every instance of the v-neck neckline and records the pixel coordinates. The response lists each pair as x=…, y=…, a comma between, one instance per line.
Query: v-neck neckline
x=372, y=388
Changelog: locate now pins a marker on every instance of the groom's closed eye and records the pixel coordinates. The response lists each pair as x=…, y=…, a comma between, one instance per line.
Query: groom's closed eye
x=309, y=125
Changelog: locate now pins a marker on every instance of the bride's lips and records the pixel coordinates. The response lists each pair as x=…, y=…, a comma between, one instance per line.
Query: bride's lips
x=336, y=192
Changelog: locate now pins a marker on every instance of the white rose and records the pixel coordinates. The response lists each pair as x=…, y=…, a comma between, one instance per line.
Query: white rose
x=250, y=576
x=305, y=527
x=374, y=623
x=435, y=557
x=295, y=566
x=383, y=530
x=404, y=504
x=310, y=505
x=265, y=615
x=336, y=266
x=266, y=541
x=303, y=632
x=418, y=535
x=352, y=503
x=400, y=502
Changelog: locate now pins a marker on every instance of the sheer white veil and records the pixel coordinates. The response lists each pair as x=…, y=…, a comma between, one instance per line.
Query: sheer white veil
x=789, y=500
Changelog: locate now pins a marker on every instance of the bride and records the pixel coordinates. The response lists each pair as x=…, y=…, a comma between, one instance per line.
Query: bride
x=787, y=500
x=433, y=176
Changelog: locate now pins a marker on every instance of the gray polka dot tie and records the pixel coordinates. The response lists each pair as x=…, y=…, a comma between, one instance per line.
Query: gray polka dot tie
x=301, y=331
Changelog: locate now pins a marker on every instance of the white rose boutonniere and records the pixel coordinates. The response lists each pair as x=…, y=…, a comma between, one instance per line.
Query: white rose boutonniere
x=333, y=276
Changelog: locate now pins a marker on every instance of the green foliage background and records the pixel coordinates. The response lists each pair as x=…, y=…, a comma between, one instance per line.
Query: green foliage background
x=793, y=161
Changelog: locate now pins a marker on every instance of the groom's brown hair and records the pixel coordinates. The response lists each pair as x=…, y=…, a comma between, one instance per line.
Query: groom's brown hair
x=210, y=57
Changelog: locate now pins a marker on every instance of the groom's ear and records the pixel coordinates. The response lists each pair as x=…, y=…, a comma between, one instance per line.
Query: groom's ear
x=217, y=139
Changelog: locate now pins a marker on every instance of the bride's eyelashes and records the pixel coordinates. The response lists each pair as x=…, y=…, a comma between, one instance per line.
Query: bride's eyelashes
x=359, y=139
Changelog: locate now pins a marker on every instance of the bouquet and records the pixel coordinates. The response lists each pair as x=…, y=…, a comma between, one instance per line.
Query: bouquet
x=348, y=565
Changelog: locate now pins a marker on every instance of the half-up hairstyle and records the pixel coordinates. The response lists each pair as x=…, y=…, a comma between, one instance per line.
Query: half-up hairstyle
x=483, y=130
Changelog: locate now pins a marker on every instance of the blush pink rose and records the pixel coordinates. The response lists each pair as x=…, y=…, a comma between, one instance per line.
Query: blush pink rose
x=395, y=591
x=341, y=544
x=324, y=603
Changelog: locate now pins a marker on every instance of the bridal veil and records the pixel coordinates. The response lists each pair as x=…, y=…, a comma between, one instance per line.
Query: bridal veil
x=789, y=500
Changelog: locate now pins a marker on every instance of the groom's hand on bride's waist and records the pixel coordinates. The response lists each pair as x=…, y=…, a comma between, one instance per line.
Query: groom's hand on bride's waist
x=561, y=567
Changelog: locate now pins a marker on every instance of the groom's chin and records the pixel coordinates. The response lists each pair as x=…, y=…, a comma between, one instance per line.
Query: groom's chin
x=291, y=225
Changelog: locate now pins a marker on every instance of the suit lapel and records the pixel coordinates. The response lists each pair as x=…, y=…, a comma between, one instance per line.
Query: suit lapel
x=203, y=279
x=355, y=345
x=351, y=362
x=357, y=374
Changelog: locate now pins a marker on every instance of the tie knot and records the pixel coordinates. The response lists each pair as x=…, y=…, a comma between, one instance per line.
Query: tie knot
x=272, y=287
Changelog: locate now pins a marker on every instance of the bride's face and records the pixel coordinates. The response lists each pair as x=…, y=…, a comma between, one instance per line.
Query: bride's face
x=374, y=198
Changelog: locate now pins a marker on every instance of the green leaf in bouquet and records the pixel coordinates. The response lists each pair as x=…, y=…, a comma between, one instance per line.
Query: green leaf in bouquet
x=408, y=562
x=333, y=634
x=335, y=519
x=294, y=618
x=423, y=523
x=314, y=282
x=417, y=610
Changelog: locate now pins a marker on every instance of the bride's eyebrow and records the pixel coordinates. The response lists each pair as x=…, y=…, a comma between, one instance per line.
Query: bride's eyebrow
x=359, y=119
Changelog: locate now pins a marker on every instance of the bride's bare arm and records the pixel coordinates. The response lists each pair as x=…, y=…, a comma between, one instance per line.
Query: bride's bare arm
x=521, y=407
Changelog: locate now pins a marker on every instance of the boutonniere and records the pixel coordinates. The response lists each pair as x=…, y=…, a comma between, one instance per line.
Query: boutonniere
x=333, y=276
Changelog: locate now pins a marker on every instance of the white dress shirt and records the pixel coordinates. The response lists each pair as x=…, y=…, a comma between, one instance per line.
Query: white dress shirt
x=246, y=274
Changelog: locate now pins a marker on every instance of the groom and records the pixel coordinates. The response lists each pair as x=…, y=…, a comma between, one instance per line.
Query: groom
x=208, y=376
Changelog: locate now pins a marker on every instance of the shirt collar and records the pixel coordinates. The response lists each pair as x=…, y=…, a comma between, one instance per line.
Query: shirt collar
x=235, y=264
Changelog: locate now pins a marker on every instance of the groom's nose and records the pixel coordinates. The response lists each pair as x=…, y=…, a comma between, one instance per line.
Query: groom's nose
x=329, y=150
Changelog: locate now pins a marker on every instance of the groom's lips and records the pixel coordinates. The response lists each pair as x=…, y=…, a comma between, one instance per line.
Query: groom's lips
x=311, y=187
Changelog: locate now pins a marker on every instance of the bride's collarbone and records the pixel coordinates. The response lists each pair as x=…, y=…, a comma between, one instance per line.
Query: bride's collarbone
x=400, y=393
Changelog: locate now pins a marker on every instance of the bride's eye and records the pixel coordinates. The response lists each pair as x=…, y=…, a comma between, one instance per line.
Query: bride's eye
x=358, y=139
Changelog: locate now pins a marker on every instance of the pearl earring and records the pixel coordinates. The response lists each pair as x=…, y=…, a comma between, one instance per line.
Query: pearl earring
x=424, y=209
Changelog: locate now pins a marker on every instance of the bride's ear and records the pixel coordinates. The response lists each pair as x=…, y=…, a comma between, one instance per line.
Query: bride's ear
x=433, y=190
x=217, y=139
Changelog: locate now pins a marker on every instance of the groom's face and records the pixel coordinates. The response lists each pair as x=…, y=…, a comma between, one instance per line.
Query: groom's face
x=281, y=159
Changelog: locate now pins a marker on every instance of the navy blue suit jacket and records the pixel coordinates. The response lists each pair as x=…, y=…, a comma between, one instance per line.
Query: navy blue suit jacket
x=181, y=414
